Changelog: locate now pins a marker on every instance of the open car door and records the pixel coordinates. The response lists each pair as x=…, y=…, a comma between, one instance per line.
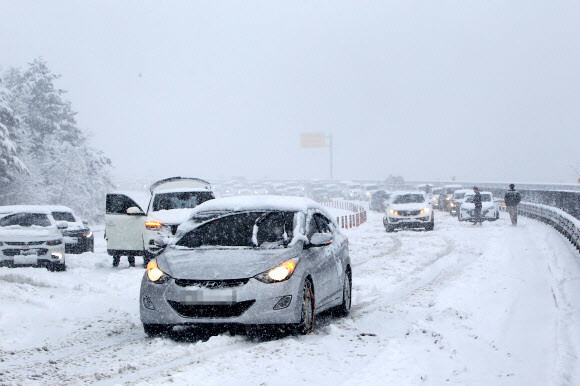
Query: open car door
x=124, y=225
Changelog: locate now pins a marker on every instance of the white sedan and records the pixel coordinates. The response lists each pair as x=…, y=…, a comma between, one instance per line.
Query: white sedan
x=489, y=208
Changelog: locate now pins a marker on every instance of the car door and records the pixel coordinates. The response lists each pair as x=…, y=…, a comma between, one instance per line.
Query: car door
x=123, y=231
x=335, y=251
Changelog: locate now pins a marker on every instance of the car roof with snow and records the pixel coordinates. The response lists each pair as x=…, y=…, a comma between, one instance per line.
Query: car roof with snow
x=249, y=203
x=463, y=191
x=27, y=209
x=403, y=192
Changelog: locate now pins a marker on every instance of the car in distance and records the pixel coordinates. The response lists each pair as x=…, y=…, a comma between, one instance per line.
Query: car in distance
x=445, y=196
x=260, y=260
x=434, y=198
x=29, y=236
x=489, y=208
x=457, y=199
x=78, y=237
x=378, y=199
x=409, y=210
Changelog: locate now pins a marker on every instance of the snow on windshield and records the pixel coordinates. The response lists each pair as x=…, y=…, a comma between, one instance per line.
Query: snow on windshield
x=409, y=199
x=265, y=229
x=25, y=220
x=484, y=198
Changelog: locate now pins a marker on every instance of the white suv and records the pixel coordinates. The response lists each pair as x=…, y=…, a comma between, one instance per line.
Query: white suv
x=130, y=231
x=29, y=236
x=409, y=210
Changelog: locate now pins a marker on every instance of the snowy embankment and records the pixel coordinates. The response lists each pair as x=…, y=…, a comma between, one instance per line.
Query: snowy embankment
x=472, y=305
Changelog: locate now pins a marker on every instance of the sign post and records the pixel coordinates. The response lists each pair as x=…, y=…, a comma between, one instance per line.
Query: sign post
x=318, y=140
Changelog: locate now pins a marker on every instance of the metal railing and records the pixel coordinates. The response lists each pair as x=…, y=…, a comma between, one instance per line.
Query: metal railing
x=557, y=218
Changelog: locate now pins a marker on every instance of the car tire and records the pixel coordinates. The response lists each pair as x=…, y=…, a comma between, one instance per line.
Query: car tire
x=153, y=330
x=306, y=324
x=430, y=226
x=54, y=267
x=389, y=228
x=344, y=308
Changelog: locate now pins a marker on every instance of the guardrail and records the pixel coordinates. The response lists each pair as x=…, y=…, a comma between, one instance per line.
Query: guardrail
x=557, y=218
x=352, y=220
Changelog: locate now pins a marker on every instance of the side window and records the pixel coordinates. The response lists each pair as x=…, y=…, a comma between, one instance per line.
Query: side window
x=118, y=204
x=323, y=225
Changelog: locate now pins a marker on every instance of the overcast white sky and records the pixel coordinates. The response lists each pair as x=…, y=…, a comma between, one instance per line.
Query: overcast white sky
x=431, y=89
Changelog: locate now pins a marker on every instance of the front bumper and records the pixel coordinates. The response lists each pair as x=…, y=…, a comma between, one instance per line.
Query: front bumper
x=37, y=256
x=486, y=214
x=251, y=303
x=407, y=221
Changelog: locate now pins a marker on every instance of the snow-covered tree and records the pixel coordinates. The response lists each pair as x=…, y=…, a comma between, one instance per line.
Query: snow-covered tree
x=62, y=167
x=10, y=164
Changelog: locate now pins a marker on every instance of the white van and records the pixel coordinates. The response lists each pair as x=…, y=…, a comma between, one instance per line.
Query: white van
x=132, y=231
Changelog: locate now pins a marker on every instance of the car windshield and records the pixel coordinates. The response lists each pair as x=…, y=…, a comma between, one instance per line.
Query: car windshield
x=409, y=199
x=25, y=220
x=179, y=200
x=264, y=229
x=484, y=198
x=63, y=216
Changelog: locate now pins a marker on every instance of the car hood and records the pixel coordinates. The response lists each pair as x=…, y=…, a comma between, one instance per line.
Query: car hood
x=413, y=206
x=222, y=264
x=18, y=233
x=171, y=217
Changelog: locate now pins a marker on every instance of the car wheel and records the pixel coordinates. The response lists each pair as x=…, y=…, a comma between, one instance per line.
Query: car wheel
x=54, y=267
x=389, y=228
x=306, y=324
x=344, y=308
x=154, y=330
x=430, y=226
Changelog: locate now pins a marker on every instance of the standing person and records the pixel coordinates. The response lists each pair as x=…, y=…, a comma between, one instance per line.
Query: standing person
x=512, y=199
x=478, y=205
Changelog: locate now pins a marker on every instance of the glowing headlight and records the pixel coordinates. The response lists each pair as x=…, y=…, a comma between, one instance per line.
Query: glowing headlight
x=155, y=274
x=280, y=273
x=392, y=211
x=88, y=234
x=424, y=211
x=153, y=225
x=56, y=255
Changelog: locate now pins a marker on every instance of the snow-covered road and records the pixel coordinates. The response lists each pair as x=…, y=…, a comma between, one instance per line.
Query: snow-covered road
x=471, y=305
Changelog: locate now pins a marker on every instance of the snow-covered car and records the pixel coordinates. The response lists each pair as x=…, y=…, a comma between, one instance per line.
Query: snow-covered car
x=30, y=237
x=409, y=210
x=369, y=190
x=457, y=198
x=78, y=237
x=130, y=231
x=259, y=260
x=489, y=208
x=434, y=197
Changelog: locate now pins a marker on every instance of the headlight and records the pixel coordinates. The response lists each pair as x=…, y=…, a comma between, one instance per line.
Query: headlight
x=153, y=225
x=280, y=273
x=392, y=211
x=424, y=211
x=88, y=234
x=448, y=198
x=54, y=242
x=57, y=256
x=155, y=274
x=453, y=205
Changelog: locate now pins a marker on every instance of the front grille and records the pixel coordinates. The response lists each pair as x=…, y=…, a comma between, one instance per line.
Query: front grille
x=409, y=212
x=211, y=310
x=24, y=242
x=16, y=252
x=213, y=284
x=73, y=233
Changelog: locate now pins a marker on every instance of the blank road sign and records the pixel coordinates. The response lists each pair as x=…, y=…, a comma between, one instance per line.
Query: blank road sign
x=312, y=140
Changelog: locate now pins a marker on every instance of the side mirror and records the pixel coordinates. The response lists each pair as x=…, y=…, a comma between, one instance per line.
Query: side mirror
x=135, y=211
x=321, y=239
x=85, y=222
x=62, y=224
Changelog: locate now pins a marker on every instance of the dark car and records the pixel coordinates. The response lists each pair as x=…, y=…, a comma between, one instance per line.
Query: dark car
x=78, y=237
x=378, y=200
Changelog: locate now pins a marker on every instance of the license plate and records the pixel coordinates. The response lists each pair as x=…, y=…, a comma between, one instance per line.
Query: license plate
x=217, y=296
x=27, y=259
x=28, y=252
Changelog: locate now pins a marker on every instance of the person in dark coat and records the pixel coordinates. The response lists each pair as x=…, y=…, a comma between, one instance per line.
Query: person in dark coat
x=478, y=205
x=512, y=199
